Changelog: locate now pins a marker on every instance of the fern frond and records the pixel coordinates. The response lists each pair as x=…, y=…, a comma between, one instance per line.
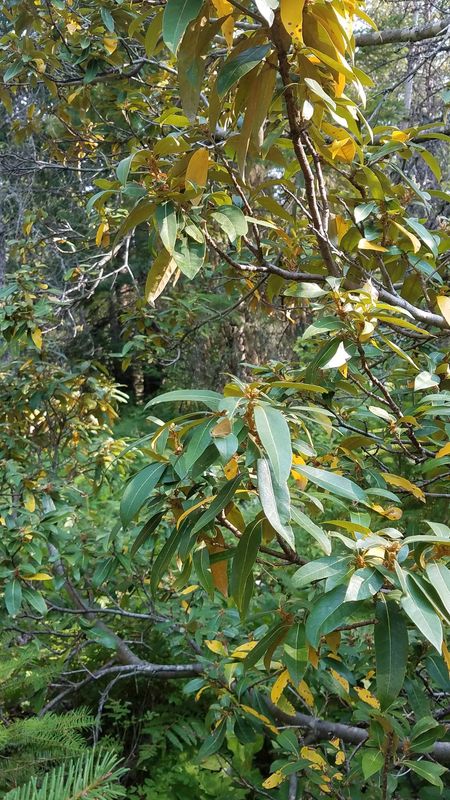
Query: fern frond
x=92, y=776
x=53, y=731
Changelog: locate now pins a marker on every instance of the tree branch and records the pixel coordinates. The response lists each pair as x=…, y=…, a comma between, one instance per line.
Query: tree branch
x=394, y=35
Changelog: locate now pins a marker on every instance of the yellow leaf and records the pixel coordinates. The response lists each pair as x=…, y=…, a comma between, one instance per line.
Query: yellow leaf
x=301, y=480
x=274, y=780
x=188, y=511
x=306, y=694
x=343, y=149
x=313, y=657
x=413, y=239
x=340, y=758
x=279, y=686
x=313, y=756
x=367, y=697
x=364, y=244
x=110, y=44
x=223, y=428
x=200, y=692
x=216, y=647
x=73, y=26
x=162, y=270
x=197, y=170
x=341, y=680
x=189, y=589
x=342, y=226
x=292, y=18
x=243, y=650
x=231, y=468
x=101, y=230
x=325, y=788
x=391, y=513
x=261, y=717
x=227, y=30
x=399, y=136
x=444, y=307
x=36, y=336
x=446, y=656
x=29, y=501
x=39, y=576
x=444, y=451
x=223, y=7
x=333, y=640
x=335, y=742
x=404, y=483
x=40, y=64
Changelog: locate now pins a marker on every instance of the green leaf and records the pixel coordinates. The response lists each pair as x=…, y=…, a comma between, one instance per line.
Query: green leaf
x=439, y=577
x=275, y=437
x=243, y=561
x=327, y=613
x=236, y=66
x=164, y=558
x=123, y=168
x=35, y=600
x=391, y=651
x=336, y=484
x=218, y=504
x=275, y=502
x=296, y=653
x=267, y=644
x=138, y=490
x=363, y=211
x=177, y=16
x=363, y=584
x=213, y=742
x=427, y=238
x=145, y=532
x=12, y=71
x=320, y=569
x=425, y=734
x=13, y=597
x=203, y=569
x=152, y=34
x=166, y=222
x=108, y=19
x=372, y=762
x=428, y=771
x=189, y=256
x=422, y=614
x=232, y=221
x=304, y=522
x=210, y=399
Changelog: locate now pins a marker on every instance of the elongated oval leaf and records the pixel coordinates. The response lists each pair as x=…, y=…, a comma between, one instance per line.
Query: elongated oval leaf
x=310, y=527
x=165, y=557
x=166, y=221
x=320, y=569
x=218, y=504
x=275, y=437
x=327, y=614
x=177, y=16
x=243, y=561
x=13, y=597
x=138, y=490
x=391, y=651
x=336, y=484
x=274, y=500
x=422, y=614
x=237, y=66
x=210, y=399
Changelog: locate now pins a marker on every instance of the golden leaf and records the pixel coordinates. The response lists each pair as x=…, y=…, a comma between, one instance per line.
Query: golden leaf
x=341, y=680
x=306, y=694
x=292, y=18
x=343, y=149
x=444, y=451
x=399, y=136
x=219, y=569
x=36, y=336
x=205, y=501
x=313, y=756
x=413, y=239
x=313, y=657
x=446, y=656
x=342, y=225
x=404, y=483
x=189, y=589
x=216, y=647
x=340, y=758
x=367, y=697
x=29, y=501
x=279, y=686
x=444, y=307
x=231, y=468
x=243, y=650
x=39, y=576
x=364, y=244
x=333, y=640
x=197, y=170
x=274, y=780
x=110, y=43
x=261, y=717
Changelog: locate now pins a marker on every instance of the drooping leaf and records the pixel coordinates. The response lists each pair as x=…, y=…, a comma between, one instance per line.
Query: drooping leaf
x=166, y=221
x=218, y=504
x=391, y=651
x=236, y=66
x=138, y=490
x=243, y=561
x=210, y=399
x=335, y=484
x=327, y=614
x=13, y=596
x=177, y=16
x=275, y=437
x=275, y=502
